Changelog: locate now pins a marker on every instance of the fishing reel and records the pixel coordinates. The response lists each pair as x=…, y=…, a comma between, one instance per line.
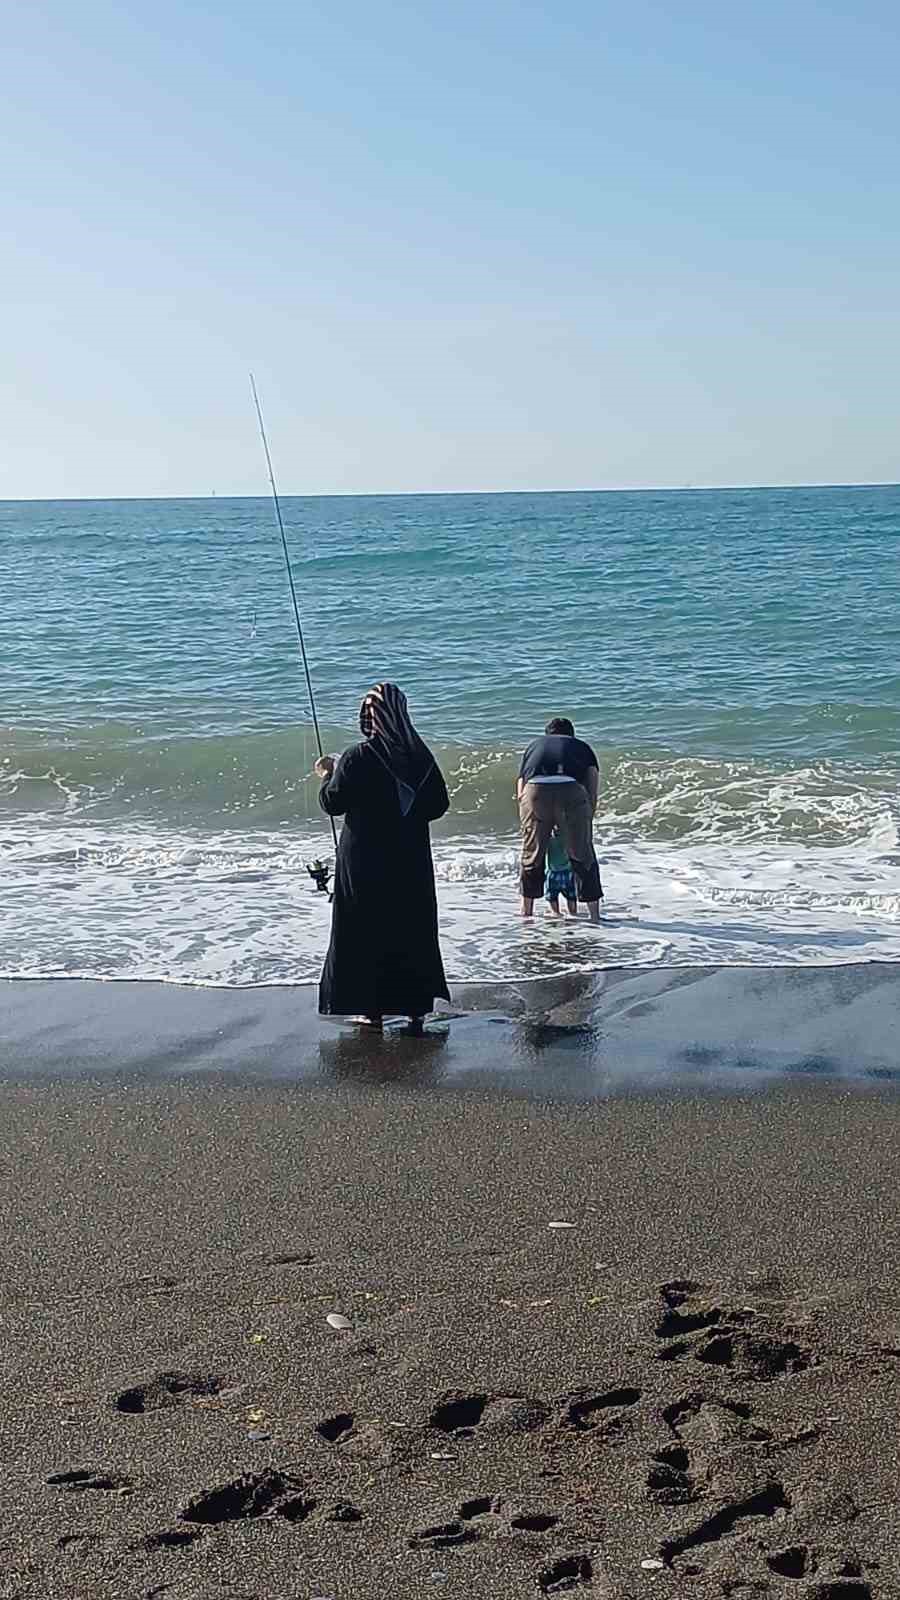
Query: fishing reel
x=320, y=873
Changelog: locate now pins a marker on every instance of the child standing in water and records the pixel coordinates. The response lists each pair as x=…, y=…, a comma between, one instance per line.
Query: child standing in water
x=560, y=877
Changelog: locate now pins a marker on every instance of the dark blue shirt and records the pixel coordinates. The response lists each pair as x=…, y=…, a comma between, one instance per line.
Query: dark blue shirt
x=557, y=755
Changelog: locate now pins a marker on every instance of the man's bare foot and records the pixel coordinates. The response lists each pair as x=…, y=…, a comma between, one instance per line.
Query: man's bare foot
x=594, y=910
x=527, y=907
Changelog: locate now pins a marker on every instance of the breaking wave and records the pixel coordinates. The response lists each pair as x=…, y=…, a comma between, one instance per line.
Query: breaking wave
x=265, y=780
x=184, y=860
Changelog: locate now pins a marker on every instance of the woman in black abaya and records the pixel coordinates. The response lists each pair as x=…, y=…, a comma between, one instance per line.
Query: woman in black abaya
x=384, y=958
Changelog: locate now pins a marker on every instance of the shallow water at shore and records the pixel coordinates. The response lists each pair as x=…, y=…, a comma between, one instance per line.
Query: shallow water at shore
x=82, y=900
x=732, y=655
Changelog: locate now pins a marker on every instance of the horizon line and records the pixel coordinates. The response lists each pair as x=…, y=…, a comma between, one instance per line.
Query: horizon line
x=444, y=494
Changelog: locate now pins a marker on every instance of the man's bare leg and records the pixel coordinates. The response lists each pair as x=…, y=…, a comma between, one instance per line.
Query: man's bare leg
x=527, y=906
x=594, y=910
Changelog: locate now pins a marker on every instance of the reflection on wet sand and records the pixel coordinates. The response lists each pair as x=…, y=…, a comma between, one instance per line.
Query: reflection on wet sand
x=401, y=1057
x=703, y=1030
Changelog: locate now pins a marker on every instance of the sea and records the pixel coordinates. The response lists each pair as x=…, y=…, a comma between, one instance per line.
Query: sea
x=733, y=656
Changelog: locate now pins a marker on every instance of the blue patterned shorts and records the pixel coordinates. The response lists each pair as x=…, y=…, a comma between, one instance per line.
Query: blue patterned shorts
x=561, y=884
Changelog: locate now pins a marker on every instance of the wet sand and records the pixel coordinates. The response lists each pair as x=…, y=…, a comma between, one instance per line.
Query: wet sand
x=574, y=1037
x=702, y=1372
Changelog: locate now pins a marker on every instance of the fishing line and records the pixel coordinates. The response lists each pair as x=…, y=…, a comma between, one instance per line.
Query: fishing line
x=290, y=575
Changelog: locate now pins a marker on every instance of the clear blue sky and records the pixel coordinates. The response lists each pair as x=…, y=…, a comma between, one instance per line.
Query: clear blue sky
x=463, y=246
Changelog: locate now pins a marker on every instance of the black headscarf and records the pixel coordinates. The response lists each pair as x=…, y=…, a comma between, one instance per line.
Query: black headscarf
x=385, y=724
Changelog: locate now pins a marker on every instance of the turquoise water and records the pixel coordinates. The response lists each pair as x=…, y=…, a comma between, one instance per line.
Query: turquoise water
x=734, y=656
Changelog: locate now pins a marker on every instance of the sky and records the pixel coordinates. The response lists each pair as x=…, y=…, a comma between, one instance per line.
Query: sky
x=462, y=246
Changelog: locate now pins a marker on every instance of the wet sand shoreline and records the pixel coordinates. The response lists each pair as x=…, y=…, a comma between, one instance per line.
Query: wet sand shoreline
x=574, y=1037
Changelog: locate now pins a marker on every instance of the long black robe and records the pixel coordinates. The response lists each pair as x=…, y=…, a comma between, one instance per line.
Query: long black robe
x=384, y=958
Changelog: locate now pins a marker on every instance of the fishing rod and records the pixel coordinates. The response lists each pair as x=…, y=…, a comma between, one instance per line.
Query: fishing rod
x=290, y=575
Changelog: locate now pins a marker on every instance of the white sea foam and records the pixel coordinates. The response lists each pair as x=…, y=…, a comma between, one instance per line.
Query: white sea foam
x=80, y=900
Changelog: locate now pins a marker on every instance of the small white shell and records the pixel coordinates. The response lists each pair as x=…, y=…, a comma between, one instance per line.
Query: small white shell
x=652, y=1565
x=560, y=1224
x=335, y=1320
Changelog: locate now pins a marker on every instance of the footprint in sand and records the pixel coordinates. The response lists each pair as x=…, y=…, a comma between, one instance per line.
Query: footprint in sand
x=741, y=1339
x=479, y=1517
x=252, y=1495
x=462, y=1414
x=566, y=1572
x=271, y=1493
x=164, y=1389
x=586, y=1410
x=370, y=1440
x=79, y=1480
x=770, y=1502
x=703, y=1419
x=669, y=1481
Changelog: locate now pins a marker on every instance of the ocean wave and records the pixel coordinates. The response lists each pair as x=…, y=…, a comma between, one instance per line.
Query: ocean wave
x=111, y=773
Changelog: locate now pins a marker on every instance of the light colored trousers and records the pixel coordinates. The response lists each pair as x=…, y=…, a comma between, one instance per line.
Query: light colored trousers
x=566, y=806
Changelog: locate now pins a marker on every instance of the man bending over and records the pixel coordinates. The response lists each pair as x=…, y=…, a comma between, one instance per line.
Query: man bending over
x=557, y=788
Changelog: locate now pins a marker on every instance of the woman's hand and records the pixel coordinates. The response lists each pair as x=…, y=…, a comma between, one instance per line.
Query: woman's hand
x=324, y=767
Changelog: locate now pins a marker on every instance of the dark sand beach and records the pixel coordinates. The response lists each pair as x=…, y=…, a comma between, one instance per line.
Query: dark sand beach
x=691, y=1390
